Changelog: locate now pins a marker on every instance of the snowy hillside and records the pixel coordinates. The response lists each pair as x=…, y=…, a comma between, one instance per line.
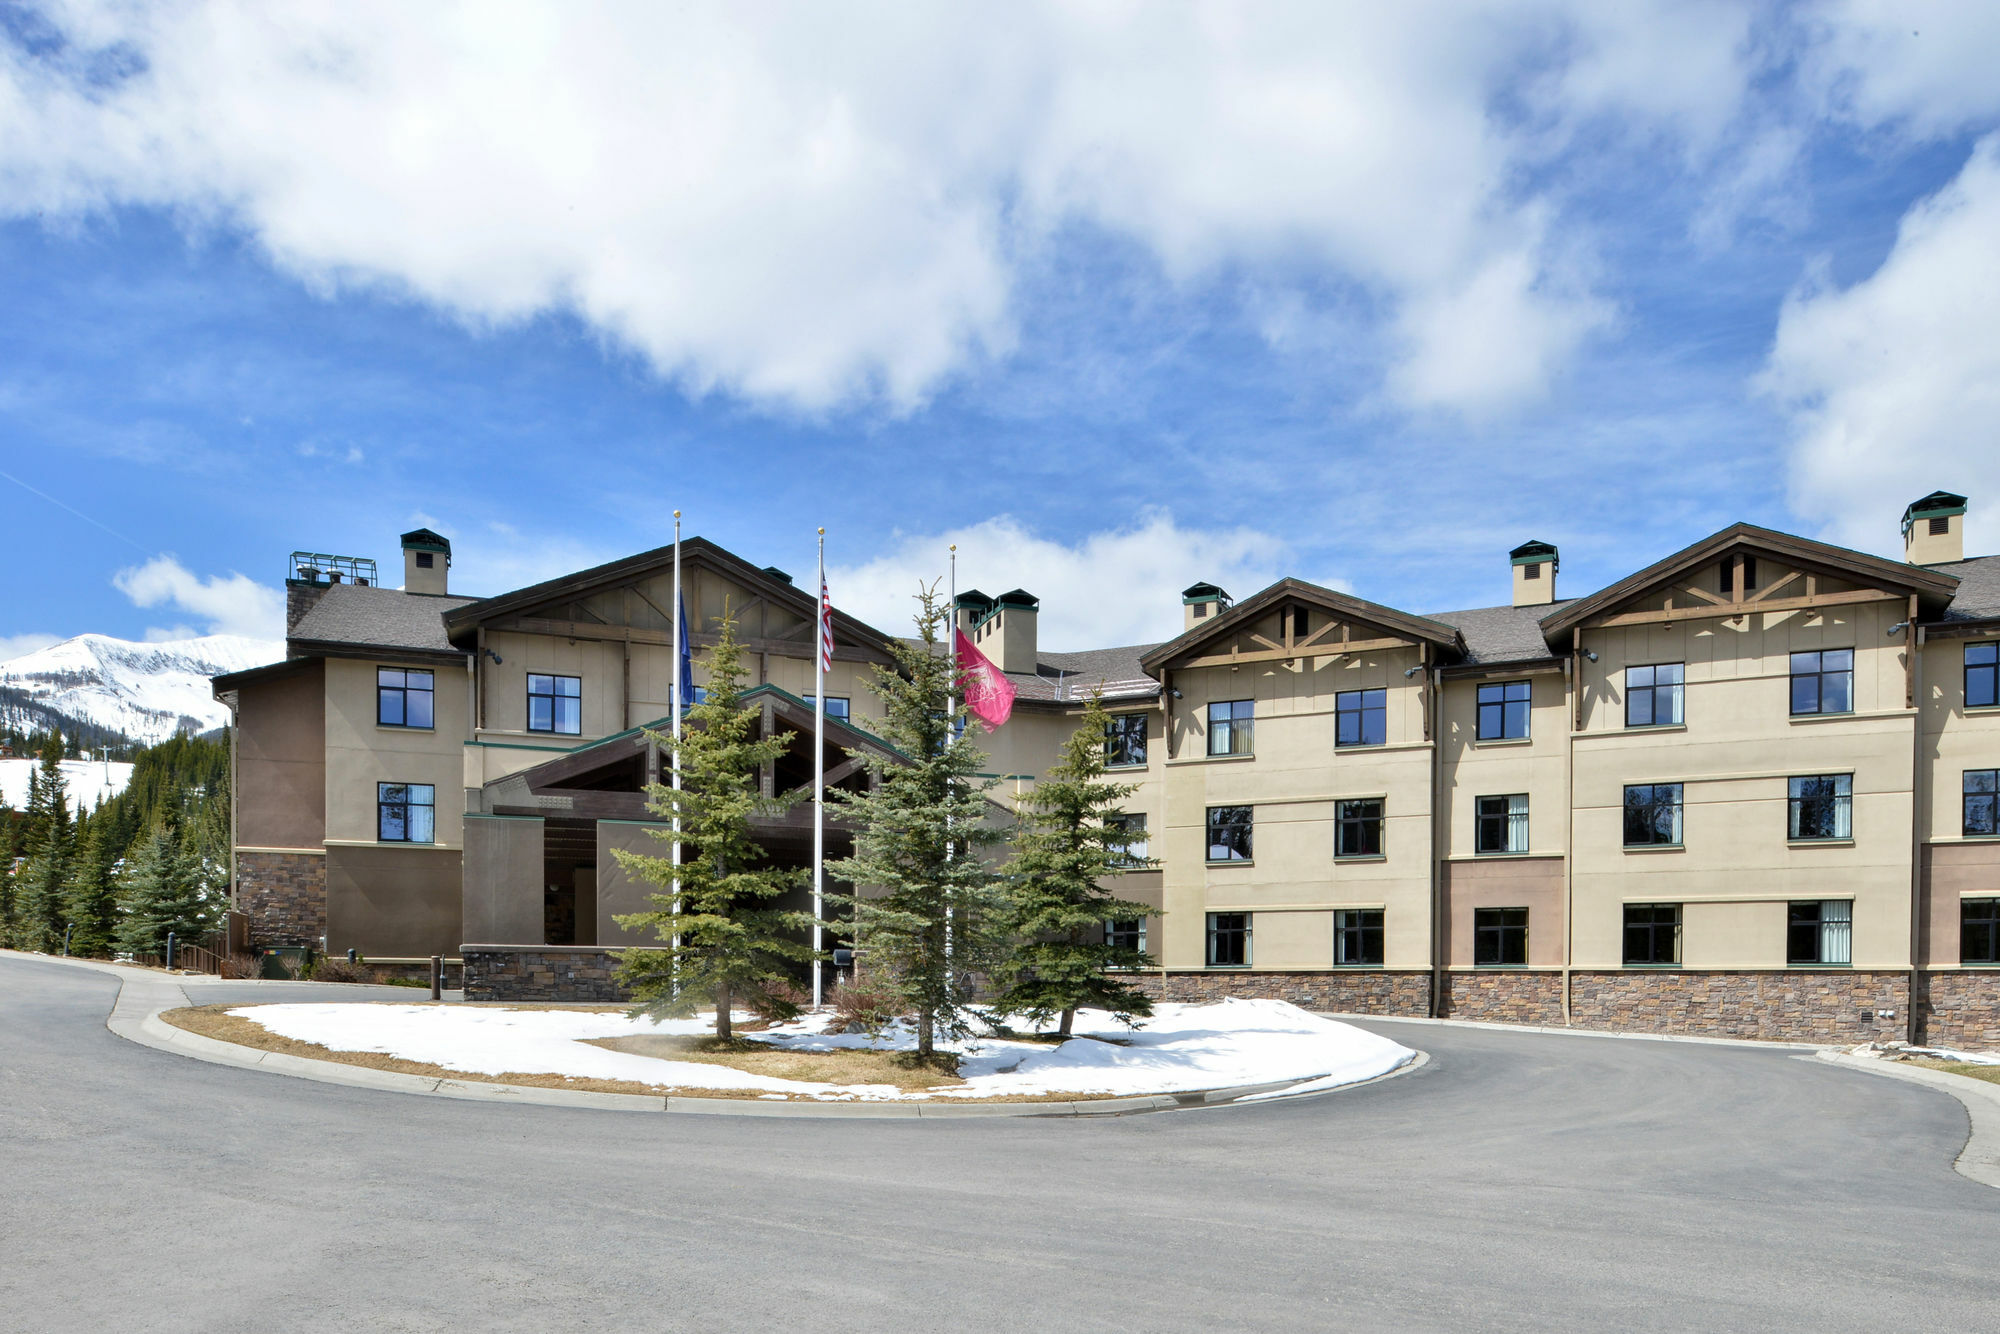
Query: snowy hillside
x=146, y=691
x=87, y=781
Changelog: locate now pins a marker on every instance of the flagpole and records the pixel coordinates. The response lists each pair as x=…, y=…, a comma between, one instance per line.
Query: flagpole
x=950, y=724
x=680, y=707
x=819, y=768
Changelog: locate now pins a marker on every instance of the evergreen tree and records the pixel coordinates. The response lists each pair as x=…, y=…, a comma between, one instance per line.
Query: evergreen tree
x=166, y=889
x=729, y=940
x=40, y=884
x=10, y=841
x=91, y=905
x=1067, y=846
x=925, y=910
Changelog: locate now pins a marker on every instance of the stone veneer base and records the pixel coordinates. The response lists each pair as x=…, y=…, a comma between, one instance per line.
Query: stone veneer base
x=1359, y=991
x=1503, y=997
x=284, y=896
x=1959, y=1009
x=541, y=973
x=1780, y=1006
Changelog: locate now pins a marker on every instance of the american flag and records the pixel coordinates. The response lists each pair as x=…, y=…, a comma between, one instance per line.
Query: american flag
x=825, y=628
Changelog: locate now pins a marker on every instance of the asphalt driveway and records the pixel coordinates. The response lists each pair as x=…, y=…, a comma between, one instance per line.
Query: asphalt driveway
x=1520, y=1181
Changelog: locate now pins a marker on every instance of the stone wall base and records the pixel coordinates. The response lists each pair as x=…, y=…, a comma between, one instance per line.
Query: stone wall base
x=1792, y=1006
x=1343, y=992
x=284, y=896
x=1503, y=997
x=1959, y=1010
x=541, y=973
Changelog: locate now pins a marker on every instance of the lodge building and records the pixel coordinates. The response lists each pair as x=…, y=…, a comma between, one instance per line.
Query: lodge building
x=1749, y=790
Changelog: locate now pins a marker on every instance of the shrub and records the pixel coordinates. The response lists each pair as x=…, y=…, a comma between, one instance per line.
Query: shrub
x=335, y=969
x=242, y=965
x=863, y=1006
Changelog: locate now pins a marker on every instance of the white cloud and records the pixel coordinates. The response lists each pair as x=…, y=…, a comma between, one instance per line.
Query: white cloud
x=1893, y=383
x=816, y=206
x=1925, y=66
x=18, y=646
x=232, y=604
x=1112, y=587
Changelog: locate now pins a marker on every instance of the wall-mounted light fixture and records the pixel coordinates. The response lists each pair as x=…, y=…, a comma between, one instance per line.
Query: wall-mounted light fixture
x=1896, y=629
x=1591, y=654
x=491, y=654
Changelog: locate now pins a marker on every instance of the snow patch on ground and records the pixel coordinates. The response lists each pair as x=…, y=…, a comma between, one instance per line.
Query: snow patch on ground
x=1182, y=1048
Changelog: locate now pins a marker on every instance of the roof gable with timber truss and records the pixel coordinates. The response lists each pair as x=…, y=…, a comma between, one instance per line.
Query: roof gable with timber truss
x=631, y=600
x=1238, y=637
x=605, y=779
x=1716, y=579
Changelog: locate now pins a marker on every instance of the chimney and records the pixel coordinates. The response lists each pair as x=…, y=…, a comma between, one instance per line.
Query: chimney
x=971, y=608
x=426, y=561
x=1200, y=604
x=1934, y=529
x=1535, y=566
x=1006, y=634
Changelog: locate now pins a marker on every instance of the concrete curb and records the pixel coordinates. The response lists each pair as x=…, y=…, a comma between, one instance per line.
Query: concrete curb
x=143, y=995
x=1979, y=1160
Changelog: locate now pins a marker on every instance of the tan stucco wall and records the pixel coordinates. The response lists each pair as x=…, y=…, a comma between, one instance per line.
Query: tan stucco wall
x=360, y=753
x=502, y=898
x=1952, y=871
x=1293, y=782
x=1534, y=883
x=1733, y=756
x=1954, y=740
x=281, y=761
x=1475, y=768
x=618, y=890
x=393, y=902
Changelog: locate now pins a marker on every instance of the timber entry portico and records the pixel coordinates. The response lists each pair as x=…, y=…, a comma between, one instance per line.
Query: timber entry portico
x=540, y=863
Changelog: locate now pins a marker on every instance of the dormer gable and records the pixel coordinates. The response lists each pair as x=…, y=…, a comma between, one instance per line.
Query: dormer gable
x=1293, y=620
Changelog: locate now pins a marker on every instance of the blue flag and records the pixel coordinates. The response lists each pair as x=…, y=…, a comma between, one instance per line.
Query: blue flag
x=685, y=695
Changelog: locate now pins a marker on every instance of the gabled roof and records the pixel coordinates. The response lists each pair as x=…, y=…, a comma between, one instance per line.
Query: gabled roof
x=423, y=539
x=1933, y=588
x=846, y=629
x=1978, y=595
x=359, y=616
x=1402, y=625
x=1500, y=634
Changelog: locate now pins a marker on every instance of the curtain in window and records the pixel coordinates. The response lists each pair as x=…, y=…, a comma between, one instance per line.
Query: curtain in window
x=1517, y=823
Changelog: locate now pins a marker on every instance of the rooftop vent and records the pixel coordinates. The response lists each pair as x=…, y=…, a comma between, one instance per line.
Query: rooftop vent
x=426, y=562
x=1535, y=565
x=1934, y=529
x=1201, y=603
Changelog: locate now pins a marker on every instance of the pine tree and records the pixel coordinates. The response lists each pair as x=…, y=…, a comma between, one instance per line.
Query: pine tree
x=729, y=940
x=91, y=904
x=10, y=841
x=1067, y=845
x=166, y=889
x=926, y=906
x=40, y=884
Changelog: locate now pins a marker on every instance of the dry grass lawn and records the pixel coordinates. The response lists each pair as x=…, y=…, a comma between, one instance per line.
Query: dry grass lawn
x=1989, y=1073
x=834, y=1067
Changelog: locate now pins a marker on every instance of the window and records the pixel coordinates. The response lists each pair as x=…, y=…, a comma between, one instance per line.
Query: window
x=1229, y=940
x=1231, y=727
x=1361, y=717
x=1133, y=827
x=1653, y=815
x=1822, y=807
x=403, y=698
x=405, y=812
x=1979, y=930
x=1982, y=666
x=1358, y=830
x=1727, y=580
x=1653, y=695
x=1357, y=938
x=836, y=705
x=1821, y=932
x=555, y=704
x=1499, y=937
x=1502, y=824
x=1823, y=681
x=1652, y=933
x=1229, y=833
x=1125, y=740
x=1298, y=621
x=1503, y=711
x=1128, y=934
x=1982, y=802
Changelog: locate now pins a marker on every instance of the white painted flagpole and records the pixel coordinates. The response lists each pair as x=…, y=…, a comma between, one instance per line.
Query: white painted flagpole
x=950, y=723
x=679, y=706
x=819, y=767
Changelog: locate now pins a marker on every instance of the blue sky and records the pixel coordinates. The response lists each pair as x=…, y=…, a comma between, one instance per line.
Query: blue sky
x=1116, y=299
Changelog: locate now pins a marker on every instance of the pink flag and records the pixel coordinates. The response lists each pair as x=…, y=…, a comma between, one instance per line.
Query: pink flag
x=825, y=627
x=988, y=692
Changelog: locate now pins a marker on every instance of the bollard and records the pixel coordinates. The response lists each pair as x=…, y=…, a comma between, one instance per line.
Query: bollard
x=354, y=956
x=437, y=977
x=170, y=951
x=66, y=931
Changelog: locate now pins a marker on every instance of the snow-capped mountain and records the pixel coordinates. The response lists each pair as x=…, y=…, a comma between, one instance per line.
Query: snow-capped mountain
x=146, y=691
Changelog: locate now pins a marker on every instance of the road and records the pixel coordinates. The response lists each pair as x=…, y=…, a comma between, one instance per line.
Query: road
x=1520, y=1181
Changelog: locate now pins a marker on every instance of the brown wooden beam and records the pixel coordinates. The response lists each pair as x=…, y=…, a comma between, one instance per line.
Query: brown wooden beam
x=1302, y=650
x=1736, y=609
